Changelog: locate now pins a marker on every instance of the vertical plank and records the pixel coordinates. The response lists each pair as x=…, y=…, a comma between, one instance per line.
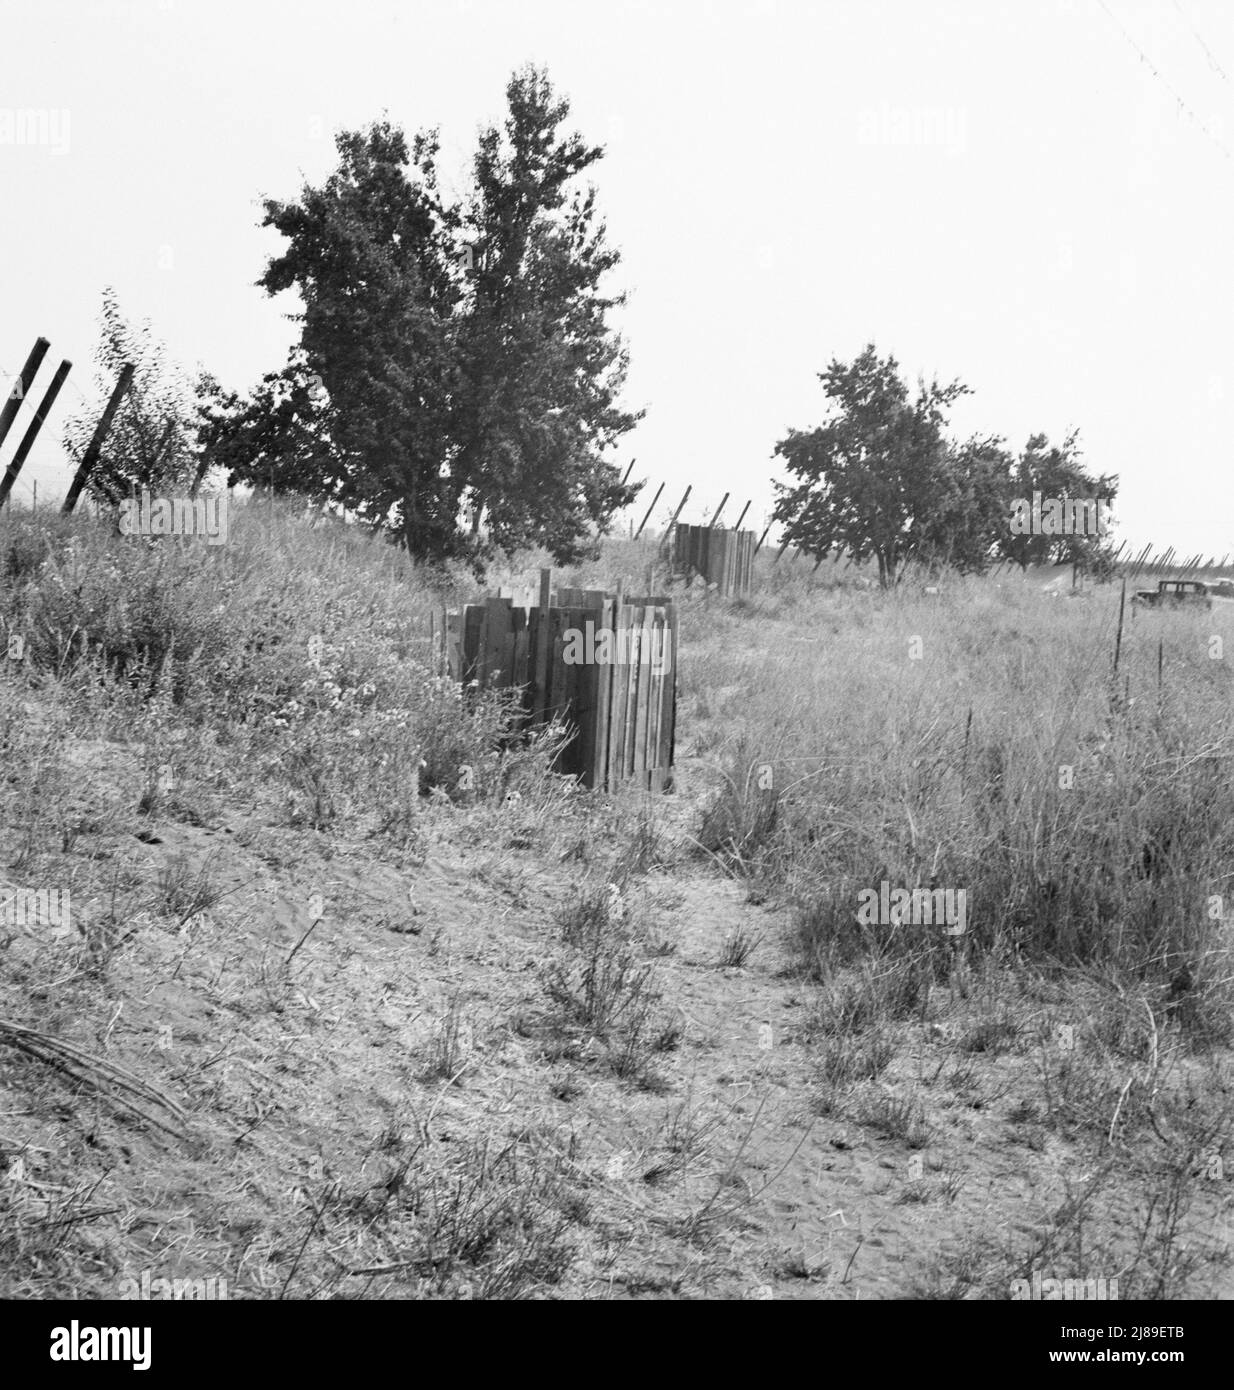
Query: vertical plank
x=498, y=646
x=639, y=767
x=664, y=754
x=634, y=641
x=671, y=697
x=602, y=701
x=508, y=638
x=560, y=681
x=656, y=757
x=473, y=621
x=554, y=685
x=655, y=687
x=586, y=694
x=522, y=636
x=543, y=641
x=574, y=701
x=454, y=655
x=619, y=697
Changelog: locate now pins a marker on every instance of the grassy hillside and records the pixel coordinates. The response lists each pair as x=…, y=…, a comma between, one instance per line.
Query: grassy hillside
x=321, y=1023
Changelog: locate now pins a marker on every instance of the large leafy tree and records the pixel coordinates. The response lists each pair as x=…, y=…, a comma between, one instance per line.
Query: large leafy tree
x=362, y=414
x=541, y=369
x=871, y=477
x=452, y=359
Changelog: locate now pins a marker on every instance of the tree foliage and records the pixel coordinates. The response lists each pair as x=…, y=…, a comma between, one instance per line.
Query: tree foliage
x=880, y=477
x=1056, y=471
x=153, y=441
x=453, y=358
x=870, y=478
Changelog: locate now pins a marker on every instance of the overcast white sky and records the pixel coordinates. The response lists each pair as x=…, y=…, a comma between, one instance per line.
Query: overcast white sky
x=1000, y=192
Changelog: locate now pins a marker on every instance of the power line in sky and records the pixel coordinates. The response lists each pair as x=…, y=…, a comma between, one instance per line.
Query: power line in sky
x=1212, y=62
x=1152, y=67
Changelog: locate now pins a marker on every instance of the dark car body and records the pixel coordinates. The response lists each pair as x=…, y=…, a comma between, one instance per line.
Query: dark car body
x=1171, y=593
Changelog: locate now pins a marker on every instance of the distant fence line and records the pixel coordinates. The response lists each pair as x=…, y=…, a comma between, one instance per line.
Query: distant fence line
x=723, y=556
x=1129, y=564
x=1145, y=561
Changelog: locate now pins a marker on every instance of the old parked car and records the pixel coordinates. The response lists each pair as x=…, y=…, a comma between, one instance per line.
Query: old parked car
x=1170, y=593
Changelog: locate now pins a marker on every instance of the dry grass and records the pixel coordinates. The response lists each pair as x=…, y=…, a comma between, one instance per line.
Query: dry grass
x=334, y=1017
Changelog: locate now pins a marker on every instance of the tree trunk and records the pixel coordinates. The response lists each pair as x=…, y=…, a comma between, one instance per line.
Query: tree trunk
x=411, y=527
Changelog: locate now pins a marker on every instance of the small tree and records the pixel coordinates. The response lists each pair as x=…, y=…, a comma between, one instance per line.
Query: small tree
x=1055, y=472
x=874, y=474
x=153, y=440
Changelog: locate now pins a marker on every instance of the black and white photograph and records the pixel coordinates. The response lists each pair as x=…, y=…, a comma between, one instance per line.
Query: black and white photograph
x=614, y=680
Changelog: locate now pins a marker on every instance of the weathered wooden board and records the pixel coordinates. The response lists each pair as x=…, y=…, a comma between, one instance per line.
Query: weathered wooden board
x=620, y=711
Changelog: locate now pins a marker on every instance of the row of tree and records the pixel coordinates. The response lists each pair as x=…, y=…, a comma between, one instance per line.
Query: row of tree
x=455, y=365
x=880, y=477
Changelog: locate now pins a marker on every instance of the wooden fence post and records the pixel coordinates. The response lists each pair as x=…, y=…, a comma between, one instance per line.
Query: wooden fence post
x=685, y=497
x=32, y=432
x=95, y=447
x=650, y=509
x=9, y=411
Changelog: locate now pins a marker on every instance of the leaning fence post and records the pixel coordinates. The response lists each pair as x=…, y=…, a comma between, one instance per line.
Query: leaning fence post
x=684, y=499
x=32, y=432
x=95, y=447
x=650, y=509
x=9, y=413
